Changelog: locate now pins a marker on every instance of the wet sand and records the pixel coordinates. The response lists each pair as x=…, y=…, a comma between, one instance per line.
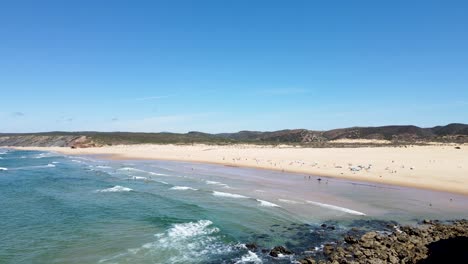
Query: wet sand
x=434, y=167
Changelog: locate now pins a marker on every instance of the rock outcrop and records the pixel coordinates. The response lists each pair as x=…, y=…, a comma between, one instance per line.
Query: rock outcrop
x=432, y=242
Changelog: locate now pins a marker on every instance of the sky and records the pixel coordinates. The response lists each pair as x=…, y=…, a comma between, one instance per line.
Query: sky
x=224, y=66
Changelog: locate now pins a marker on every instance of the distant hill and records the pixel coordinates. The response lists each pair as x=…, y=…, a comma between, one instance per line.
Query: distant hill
x=397, y=134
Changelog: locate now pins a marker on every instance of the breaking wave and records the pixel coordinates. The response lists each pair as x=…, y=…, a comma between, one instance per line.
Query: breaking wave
x=183, y=188
x=267, y=204
x=337, y=208
x=116, y=188
x=250, y=258
x=230, y=195
x=192, y=242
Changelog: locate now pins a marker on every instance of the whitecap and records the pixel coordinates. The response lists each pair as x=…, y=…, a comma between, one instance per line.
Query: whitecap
x=217, y=183
x=158, y=174
x=3, y=169
x=34, y=167
x=103, y=167
x=55, y=162
x=250, y=257
x=267, y=204
x=139, y=178
x=338, y=208
x=191, y=242
x=289, y=201
x=116, y=188
x=183, y=188
x=230, y=195
x=131, y=169
x=163, y=182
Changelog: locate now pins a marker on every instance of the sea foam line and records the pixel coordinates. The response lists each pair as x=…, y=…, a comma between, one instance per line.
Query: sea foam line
x=267, y=204
x=338, y=208
x=183, y=188
x=3, y=169
x=116, y=188
x=34, y=167
x=131, y=169
x=138, y=178
x=289, y=201
x=230, y=195
x=217, y=183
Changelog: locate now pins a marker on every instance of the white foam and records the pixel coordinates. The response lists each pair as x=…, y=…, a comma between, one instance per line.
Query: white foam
x=158, y=174
x=213, y=182
x=103, y=167
x=34, y=167
x=230, y=195
x=77, y=161
x=267, y=204
x=217, y=183
x=139, y=178
x=183, y=188
x=289, y=201
x=338, y=208
x=250, y=257
x=131, y=169
x=116, y=188
x=42, y=155
x=55, y=162
x=163, y=182
x=191, y=242
x=3, y=169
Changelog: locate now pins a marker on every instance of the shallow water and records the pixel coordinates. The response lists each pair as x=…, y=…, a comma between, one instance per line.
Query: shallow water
x=60, y=209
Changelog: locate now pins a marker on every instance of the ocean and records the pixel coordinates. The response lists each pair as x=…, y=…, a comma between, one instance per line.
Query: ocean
x=69, y=209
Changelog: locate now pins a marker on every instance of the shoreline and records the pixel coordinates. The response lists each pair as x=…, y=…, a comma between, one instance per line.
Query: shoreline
x=437, y=168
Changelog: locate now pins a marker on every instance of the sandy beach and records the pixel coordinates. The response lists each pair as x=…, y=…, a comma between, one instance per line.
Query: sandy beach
x=436, y=167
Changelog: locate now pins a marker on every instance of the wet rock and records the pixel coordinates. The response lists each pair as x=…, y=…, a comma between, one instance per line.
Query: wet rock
x=307, y=261
x=328, y=249
x=432, y=241
x=280, y=250
x=251, y=246
x=350, y=239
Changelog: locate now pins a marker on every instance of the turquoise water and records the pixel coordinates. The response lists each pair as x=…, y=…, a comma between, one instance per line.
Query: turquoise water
x=60, y=209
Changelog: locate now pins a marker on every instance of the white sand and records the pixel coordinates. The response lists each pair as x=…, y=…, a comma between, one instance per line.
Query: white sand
x=436, y=167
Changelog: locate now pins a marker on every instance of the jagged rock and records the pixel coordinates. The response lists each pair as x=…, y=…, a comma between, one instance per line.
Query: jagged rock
x=429, y=242
x=307, y=261
x=280, y=250
x=251, y=246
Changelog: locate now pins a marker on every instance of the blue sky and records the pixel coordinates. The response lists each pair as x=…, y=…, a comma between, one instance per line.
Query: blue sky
x=220, y=66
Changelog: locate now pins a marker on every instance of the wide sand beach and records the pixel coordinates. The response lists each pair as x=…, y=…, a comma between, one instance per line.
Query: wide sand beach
x=436, y=167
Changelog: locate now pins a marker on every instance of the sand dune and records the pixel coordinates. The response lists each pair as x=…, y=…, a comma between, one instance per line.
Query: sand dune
x=437, y=167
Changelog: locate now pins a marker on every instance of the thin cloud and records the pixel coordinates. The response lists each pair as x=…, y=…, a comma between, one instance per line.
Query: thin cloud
x=17, y=114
